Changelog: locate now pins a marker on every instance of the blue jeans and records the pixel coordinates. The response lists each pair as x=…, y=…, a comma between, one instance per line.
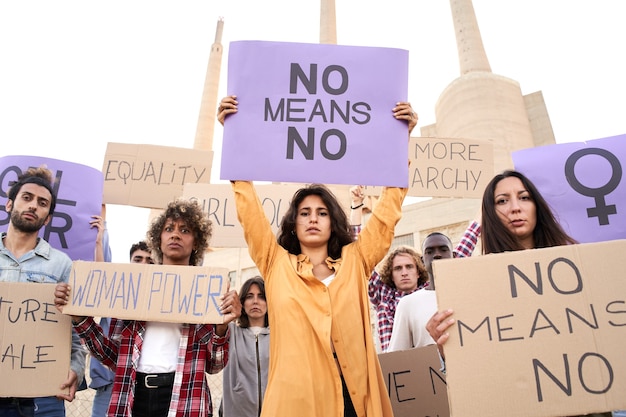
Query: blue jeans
x=17, y=407
x=101, y=401
x=49, y=407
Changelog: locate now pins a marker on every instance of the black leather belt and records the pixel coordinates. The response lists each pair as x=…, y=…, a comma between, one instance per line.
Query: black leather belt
x=13, y=400
x=155, y=380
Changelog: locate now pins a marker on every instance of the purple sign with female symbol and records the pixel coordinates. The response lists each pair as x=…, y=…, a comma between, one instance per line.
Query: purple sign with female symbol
x=584, y=183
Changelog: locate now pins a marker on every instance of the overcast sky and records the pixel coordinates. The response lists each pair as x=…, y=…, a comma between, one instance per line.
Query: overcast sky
x=75, y=75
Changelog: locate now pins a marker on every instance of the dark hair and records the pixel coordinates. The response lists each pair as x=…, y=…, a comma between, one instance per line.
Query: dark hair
x=191, y=213
x=340, y=234
x=437, y=234
x=496, y=237
x=38, y=176
x=244, y=320
x=386, y=268
x=142, y=245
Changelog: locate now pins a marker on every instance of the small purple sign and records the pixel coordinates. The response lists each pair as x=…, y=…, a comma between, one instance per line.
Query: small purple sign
x=584, y=183
x=316, y=113
x=79, y=196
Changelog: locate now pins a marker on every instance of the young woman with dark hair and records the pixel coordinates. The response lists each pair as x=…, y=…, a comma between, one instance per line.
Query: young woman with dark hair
x=515, y=216
x=245, y=376
x=323, y=361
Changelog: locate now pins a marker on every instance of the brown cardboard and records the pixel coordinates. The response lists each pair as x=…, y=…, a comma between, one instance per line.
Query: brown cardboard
x=415, y=383
x=530, y=331
x=167, y=293
x=373, y=190
x=442, y=167
x=35, y=341
x=218, y=200
x=149, y=175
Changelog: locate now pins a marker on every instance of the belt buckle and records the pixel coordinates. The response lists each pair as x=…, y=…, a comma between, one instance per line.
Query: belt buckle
x=147, y=384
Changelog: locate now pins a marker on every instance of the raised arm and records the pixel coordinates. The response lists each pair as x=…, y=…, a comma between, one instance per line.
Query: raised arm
x=257, y=231
x=356, y=210
x=376, y=237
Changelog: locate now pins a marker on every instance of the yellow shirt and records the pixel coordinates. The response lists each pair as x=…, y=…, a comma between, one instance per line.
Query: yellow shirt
x=305, y=316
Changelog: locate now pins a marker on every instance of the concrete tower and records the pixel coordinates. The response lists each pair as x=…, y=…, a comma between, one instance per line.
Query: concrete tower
x=482, y=105
x=208, y=105
x=328, y=22
x=478, y=105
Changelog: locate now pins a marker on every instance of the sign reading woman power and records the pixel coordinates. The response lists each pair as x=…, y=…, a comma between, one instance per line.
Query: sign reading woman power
x=584, y=182
x=316, y=113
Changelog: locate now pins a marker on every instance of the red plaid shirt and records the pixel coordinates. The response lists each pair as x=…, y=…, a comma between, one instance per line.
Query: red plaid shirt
x=200, y=351
x=385, y=298
x=466, y=246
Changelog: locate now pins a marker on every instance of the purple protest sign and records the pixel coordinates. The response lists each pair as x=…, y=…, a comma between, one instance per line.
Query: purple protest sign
x=584, y=183
x=316, y=113
x=79, y=196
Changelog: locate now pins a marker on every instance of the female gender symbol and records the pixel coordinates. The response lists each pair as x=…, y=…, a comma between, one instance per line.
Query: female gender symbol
x=601, y=210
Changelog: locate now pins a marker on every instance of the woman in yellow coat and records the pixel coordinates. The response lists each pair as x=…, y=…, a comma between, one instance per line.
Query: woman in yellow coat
x=323, y=361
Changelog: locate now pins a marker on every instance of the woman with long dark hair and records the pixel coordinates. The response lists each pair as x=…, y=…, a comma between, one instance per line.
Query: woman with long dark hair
x=245, y=376
x=515, y=216
x=323, y=361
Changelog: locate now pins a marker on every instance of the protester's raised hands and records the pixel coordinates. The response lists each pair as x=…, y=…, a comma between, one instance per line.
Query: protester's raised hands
x=228, y=105
x=404, y=111
x=356, y=196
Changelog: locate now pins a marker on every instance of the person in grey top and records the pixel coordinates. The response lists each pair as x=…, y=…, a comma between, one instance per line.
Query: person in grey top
x=245, y=375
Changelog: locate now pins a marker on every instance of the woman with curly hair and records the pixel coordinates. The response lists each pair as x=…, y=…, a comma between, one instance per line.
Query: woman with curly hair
x=160, y=367
x=191, y=222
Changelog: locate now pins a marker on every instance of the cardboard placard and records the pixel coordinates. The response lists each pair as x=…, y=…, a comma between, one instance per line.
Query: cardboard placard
x=151, y=176
x=218, y=201
x=538, y=332
x=442, y=167
x=415, y=383
x=167, y=293
x=35, y=341
x=315, y=113
x=372, y=190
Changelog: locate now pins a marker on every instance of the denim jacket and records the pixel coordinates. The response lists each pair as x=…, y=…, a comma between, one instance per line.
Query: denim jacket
x=44, y=264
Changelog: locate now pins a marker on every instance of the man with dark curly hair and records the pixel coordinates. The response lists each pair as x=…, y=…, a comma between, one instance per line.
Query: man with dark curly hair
x=160, y=367
x=25, y=257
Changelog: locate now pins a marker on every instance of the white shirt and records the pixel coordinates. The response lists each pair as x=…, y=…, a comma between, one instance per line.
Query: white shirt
x=159, y=350
x=409, y=325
